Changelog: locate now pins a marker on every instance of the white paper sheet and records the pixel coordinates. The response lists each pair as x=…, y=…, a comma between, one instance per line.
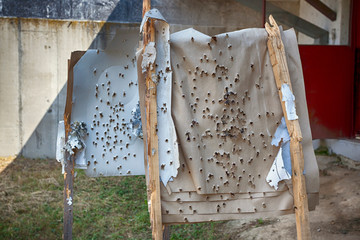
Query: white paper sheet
x=289, y=99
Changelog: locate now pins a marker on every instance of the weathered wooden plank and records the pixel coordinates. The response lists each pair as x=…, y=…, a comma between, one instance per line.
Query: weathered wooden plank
x=69, y=159
x=151, y=135
x=282, y=76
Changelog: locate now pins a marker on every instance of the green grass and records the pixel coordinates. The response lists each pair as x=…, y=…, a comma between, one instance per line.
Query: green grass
x=324, y=151
x=31, y=206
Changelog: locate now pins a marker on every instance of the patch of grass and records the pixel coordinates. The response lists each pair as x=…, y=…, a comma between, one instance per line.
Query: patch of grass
x=31, y=206
x=208, y=231
x=324, y=151
x=260, y=221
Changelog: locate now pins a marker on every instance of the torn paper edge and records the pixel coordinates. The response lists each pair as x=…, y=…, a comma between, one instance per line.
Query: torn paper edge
x=277, y=171
x=289, y=99
x=135, y=123
x=149, y=57
x=281, y=133
x=281, y=167
x=168, y=150
x=76, y=142
x=69, y=201
x=60, y=145
x=154, y=14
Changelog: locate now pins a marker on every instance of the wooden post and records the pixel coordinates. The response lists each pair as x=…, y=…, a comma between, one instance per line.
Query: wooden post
x=68, y=195
x=151, y=134
x=282, y=76
x=166, y=232
x=69, y=159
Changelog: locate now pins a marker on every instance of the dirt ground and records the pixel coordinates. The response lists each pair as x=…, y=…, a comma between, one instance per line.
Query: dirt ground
x=336, y=217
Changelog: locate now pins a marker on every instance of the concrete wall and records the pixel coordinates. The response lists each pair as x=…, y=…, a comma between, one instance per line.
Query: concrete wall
x=188, y=12
x=33, y=73
x=34, y=53
x=35, y=46
x=338, y=29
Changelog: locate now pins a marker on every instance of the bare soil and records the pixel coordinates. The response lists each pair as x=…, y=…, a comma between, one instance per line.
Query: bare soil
x=336, y=217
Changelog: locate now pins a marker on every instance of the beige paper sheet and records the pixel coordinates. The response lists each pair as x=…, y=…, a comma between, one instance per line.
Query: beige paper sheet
x=226, y=109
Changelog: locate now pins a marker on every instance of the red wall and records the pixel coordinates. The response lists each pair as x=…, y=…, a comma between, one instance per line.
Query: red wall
x=357, y=71
x=356, y=6
x=331, y=93
x=329, y=80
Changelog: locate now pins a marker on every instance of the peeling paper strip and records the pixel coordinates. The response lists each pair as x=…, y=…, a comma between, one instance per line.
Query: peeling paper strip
x=154, y=14
x=149, y=57
x=281, y=133
x=286, y=156
x=281, y=167
x=80, y=162
x=76, y=140
x=69, y=201
x=168, y=144
x=60, y=145
x=289, y=99
x=277, y=171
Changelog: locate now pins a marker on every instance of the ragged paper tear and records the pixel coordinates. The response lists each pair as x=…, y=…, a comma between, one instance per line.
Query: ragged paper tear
x=149, y=57
x=80, y=161
x=154, y=14
x=76, y=137
x=281, y=133
x=277, y=171
x=76, y=142
x=60, y=145
x=285, y=151
x=289, y=99
x=281, y=167
x=135, y=124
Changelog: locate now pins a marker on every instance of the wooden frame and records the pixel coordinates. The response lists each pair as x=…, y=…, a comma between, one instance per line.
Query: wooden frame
x=69, y=159
x=151, y=134
x=282, y=76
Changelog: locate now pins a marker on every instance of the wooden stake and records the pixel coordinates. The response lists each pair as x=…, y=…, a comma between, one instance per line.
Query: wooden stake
x=69, y=159
x=151, y=135
x=282, y=76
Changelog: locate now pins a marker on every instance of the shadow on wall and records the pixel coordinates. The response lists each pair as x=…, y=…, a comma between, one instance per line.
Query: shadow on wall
x=42, y=141
x=42, y=71
x=37, y=118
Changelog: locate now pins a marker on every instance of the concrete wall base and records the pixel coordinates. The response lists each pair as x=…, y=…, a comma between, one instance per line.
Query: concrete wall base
x=348, y=148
